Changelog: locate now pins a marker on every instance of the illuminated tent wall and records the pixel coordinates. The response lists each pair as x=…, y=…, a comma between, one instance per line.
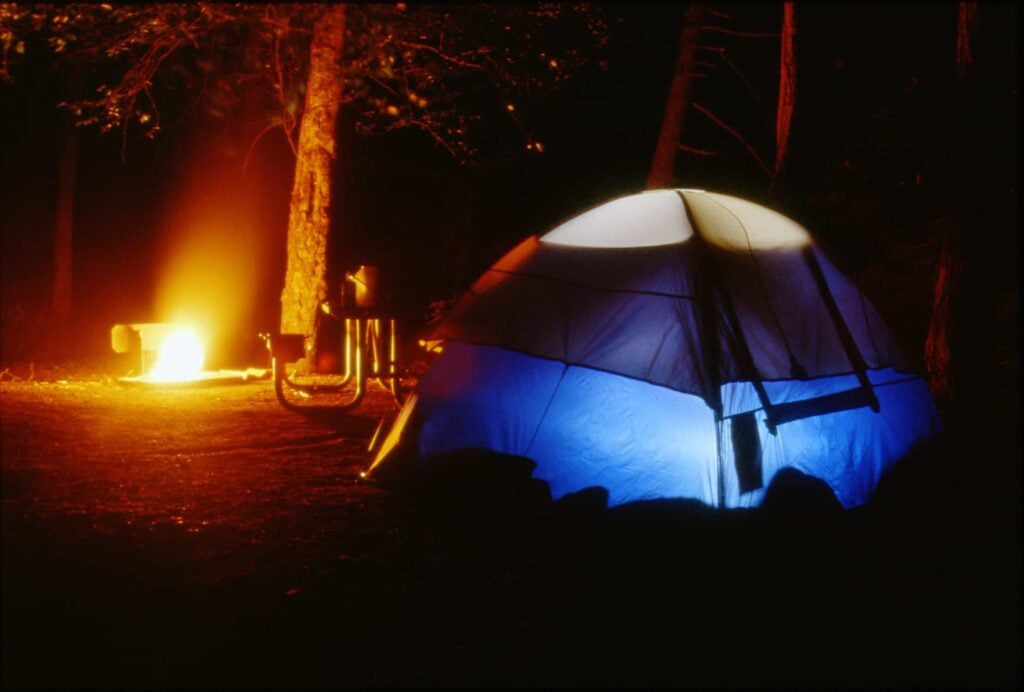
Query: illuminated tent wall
x=671, y=344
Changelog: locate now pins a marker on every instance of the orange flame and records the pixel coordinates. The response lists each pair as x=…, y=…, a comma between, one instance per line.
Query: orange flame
x=181, y=357
x=215, y=248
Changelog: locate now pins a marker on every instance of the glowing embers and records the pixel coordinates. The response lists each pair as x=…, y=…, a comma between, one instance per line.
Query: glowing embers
x=180, y=357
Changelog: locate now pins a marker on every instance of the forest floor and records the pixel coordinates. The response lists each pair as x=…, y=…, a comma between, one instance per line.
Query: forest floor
x=175, y=537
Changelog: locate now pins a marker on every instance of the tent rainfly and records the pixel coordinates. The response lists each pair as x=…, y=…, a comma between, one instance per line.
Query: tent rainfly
x=671, y=344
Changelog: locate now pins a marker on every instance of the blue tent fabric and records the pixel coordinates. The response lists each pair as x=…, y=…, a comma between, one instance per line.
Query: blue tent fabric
x=588, y=428
x=631, y=347
x=581, y=426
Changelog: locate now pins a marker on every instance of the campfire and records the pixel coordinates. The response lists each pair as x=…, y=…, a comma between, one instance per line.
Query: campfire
x=180, y=357
x=168, y=354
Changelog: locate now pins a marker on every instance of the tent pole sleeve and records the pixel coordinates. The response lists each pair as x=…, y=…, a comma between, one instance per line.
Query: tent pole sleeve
x=707, y=319
x=713, y=294
x=748, y=361
x=842, y=329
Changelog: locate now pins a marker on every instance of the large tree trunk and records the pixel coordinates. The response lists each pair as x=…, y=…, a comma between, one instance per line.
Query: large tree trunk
x=663, y=165
x=309, y=216
x=967, y=17
x=60, y=296
x=948, y=352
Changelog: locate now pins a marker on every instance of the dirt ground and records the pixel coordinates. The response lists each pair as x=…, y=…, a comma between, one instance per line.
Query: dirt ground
x=208, y=538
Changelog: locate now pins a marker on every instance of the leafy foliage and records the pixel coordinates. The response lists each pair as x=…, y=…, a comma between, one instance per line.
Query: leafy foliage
x=440, y=68
x=444, y=68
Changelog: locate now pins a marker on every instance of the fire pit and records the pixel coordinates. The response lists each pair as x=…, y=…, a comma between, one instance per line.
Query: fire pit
x=171, y=355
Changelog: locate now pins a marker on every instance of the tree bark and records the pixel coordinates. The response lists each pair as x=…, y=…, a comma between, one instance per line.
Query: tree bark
x=967, y=17
x=309, y=215
x=63, y=237
x=663, y=164
x=787, y=90
x=942, y=333
x=960, y=347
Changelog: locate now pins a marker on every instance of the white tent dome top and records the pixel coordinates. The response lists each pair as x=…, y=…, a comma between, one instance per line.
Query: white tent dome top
x=659, y=217
x=643, y=220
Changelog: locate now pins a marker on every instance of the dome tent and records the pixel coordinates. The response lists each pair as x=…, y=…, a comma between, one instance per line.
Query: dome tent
x=671, y=344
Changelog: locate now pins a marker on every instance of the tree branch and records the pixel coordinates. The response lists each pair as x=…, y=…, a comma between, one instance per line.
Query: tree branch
x=381, y=84
x=739, y=74
x=718, y=121
x=699, y=152
x=287, y=119
x=732, y=32
x=450, y=58
x=252, y=144
x=423, y=125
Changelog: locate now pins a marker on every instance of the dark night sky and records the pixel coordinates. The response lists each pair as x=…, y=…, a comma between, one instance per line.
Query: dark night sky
x=403, y=202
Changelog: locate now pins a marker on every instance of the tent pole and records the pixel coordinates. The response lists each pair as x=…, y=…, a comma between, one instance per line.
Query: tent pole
x=842, y=329
x=715, y=293
x=748, y=362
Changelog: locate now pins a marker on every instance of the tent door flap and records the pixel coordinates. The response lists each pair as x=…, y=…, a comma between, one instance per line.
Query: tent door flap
x=746, y=449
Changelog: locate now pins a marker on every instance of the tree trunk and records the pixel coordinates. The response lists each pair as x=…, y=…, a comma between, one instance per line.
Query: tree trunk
x=60, y=297
x=663, y=165
x=967, y=17
x=309, y=215
x=962, y=343
x=787, y=90
x=942, y=333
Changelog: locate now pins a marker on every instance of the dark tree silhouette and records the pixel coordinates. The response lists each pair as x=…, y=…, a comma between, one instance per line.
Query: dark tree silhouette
x=63, y=246
x=678, y=102
x=945, y=352
x=690, y=66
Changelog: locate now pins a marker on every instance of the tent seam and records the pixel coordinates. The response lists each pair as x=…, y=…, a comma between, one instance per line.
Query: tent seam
x=910, y=376
x=760, y=280
x=543, y=417
x=633, y=291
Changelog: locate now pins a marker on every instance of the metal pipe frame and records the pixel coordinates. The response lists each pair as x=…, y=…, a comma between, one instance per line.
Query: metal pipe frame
x=370, y=349
x=353, y=369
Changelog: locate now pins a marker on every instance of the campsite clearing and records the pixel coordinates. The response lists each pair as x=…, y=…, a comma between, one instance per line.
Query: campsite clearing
x=207, y=538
